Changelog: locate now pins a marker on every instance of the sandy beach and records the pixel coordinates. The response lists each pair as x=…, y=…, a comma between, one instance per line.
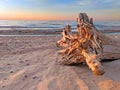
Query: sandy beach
x=59, y=45
x=30, y=63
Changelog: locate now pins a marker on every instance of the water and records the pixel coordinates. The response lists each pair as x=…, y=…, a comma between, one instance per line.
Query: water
x=33, y=25
x=51, y=25
x=108, y=25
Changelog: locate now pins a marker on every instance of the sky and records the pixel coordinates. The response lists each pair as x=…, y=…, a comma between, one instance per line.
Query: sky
x=58, y=9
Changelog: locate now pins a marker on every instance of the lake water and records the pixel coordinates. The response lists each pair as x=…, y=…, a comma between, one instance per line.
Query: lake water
x=51, y=25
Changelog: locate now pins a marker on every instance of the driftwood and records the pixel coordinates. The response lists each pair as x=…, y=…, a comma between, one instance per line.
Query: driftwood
x=85, y=46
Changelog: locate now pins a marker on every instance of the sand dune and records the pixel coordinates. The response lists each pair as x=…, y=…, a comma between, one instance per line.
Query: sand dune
x=30, y=63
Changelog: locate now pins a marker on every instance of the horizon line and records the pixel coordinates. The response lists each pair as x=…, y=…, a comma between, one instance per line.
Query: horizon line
x=61, y=19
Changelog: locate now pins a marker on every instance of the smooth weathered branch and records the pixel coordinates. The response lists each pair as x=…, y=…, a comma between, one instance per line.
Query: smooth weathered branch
x=84, y=46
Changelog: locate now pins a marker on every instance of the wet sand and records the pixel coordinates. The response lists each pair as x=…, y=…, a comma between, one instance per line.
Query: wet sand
x=30, y=63
x=43, y=32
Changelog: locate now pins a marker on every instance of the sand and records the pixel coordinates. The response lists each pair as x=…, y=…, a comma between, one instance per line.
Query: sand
x=30, y=63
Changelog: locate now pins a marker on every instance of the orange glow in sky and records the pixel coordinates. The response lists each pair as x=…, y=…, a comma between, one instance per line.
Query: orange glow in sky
x=58, y=9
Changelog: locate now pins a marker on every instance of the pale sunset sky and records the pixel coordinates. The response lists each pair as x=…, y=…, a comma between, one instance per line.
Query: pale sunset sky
x=58, y=9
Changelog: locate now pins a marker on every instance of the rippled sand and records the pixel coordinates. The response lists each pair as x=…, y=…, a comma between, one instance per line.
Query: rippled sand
x=30, y=63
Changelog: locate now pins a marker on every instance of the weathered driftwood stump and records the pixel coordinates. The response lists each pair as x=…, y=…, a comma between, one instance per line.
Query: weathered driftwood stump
x=85, y=46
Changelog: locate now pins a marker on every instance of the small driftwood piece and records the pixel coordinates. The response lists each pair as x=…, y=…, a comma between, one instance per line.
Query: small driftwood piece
x=85, y=46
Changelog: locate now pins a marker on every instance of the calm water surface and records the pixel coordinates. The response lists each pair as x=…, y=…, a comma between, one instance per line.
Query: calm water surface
x=41, y=25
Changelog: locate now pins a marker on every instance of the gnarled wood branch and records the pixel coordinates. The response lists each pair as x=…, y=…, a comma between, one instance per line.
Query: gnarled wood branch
x=85, y=46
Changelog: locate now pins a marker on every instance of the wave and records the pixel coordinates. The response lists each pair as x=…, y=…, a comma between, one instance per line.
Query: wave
x=43, y=25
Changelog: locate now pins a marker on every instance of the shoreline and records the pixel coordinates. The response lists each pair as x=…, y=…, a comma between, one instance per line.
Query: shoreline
x=43, y=32
x=29, y=35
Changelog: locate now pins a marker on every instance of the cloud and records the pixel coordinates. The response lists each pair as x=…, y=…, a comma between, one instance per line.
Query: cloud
x=84, y=2
x=109, y=1
x=95, y=2
x=37, y=0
